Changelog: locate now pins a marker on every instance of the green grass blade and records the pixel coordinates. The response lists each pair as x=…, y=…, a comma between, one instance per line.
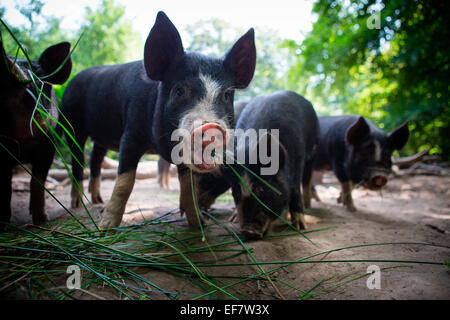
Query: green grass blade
x=278, y=192
x=194, y=199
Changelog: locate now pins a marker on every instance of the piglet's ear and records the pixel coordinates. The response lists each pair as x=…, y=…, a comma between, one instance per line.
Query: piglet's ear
x=398, y=137
x=162, y=48
x=357, y=132
x=240, y=60
x=56, y=63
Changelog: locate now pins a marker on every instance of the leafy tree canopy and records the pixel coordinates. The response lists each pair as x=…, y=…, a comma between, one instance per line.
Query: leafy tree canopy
x=391, y=72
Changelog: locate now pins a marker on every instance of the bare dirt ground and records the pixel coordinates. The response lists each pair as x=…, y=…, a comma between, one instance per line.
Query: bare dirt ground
x=410, y=209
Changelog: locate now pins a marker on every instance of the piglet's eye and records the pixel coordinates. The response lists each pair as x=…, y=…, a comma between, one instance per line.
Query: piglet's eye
x=180, y=91
x=226, y=97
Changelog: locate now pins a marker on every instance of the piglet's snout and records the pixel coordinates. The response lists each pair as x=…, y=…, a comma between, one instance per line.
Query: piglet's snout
x=208, y=144
x=379, y=181
x=251, y=233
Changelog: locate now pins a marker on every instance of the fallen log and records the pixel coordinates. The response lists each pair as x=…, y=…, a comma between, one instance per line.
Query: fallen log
x=145, y=170
x=406, y=162
x=109, y=163
x=427, y=169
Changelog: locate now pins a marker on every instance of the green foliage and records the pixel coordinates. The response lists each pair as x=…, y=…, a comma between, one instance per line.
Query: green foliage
x=211, y=37
x=397, y=72
x=214, y=37
x=37, y=34
x=107, y=38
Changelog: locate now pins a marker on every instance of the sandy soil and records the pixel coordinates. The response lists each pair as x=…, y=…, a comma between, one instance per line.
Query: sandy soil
x=410, y=209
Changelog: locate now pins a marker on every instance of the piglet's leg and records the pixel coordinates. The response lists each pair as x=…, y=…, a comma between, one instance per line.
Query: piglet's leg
x=296, y=209
x=131, y=150
x=298, y=220
x=234, y=216
x=113, y=213
x=346, y=196
x=97, y=156
x=94, y=189
x=307, y=195
x=5, y=195
x=307, y=185
x=40, y=167
x=37, y=196
x=77, y=191
x=167, y=180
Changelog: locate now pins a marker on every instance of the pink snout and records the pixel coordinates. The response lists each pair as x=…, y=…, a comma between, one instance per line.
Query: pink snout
x=378, y=181
x=208, y=141
x=251, y=233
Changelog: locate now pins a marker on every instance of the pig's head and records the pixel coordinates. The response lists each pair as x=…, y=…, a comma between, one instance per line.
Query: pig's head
x=18, y=91
x=255, y=220
x=369, y=152
x=195, y=95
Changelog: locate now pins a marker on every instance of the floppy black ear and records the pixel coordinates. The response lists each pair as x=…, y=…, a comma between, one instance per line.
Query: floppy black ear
x=162, y=48
x=398, y=137
x=52, y=59
x=240, y=60
x=357, y=132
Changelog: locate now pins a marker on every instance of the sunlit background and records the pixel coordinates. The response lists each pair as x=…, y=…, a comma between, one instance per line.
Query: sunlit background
x=386, y=60
x=291, y=19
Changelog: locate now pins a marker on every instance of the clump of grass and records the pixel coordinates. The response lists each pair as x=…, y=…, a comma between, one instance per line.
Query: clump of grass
x=119, y=264
x=37, y=257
